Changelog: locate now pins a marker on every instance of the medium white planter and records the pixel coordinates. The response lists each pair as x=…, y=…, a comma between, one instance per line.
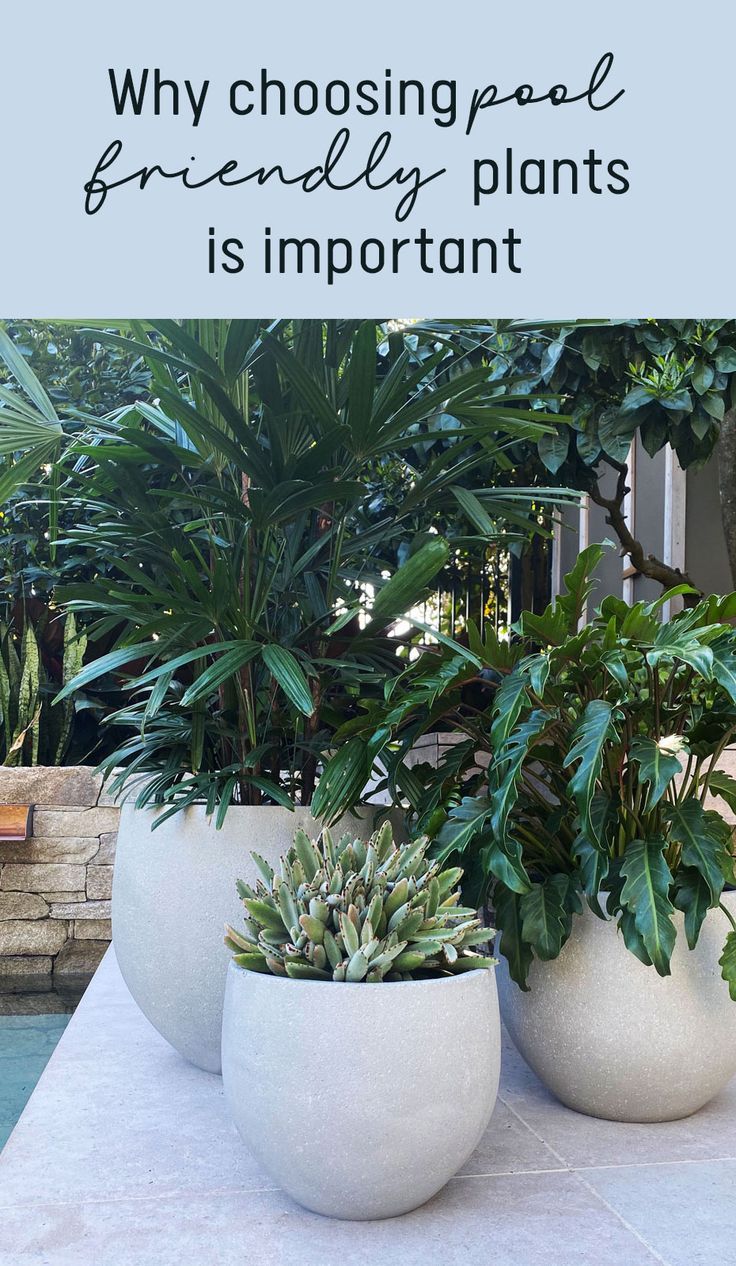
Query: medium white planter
x=360, y=1100
x=611, y=1038
x=173, y=892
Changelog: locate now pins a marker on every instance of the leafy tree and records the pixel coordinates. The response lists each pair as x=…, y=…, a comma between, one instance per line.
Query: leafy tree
x=670, y=382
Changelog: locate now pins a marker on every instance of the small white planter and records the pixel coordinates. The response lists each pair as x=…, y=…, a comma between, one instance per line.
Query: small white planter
x=611, y=1038
x=361, y=1101
x=173, y=892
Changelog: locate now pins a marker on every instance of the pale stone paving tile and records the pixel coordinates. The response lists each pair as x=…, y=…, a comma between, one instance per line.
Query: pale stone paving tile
x=521, y=1220
x=686, y=1212
x=581, y=1141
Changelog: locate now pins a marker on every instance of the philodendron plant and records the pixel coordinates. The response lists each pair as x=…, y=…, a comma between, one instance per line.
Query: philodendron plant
x=353, y=910
x=603, y=745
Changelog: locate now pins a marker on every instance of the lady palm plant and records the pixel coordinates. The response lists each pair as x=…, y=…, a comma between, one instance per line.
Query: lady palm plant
x=586, y=775
x=260, y=565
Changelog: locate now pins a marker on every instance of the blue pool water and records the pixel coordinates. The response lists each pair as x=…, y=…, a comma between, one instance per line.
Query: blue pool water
x=33, y=1016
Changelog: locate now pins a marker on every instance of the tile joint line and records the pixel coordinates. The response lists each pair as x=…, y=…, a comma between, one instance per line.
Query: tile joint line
x=589, y=1187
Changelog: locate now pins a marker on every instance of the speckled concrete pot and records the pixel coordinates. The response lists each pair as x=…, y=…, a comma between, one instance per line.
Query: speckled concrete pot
x=361, y=1101
x=173, y=892
x=611, y=1038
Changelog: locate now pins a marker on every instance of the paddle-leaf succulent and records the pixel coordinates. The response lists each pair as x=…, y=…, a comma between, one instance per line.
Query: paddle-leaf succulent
x=356, y=910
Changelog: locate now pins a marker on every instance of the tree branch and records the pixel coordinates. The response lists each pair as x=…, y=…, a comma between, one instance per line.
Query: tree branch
x=646, y=564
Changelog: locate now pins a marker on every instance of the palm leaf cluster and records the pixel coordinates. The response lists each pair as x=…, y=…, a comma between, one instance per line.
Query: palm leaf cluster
x=271, y=513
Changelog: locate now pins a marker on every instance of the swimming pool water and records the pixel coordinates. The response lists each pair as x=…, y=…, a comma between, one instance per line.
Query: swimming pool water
x=33, y=1016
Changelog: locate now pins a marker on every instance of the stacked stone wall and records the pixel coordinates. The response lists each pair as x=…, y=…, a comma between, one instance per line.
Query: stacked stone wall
x=56, y=886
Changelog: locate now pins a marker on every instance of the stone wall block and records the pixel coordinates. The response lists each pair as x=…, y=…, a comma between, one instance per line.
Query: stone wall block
x=71, y=785
x=79, y=957
x=22, y=905
x=81, y=910
x=42, y=848
x=43, y=877
x=77, y=822
x=106, y=800
x=38, y=965
x=99, y=883
x=78, y=895
x=92, y=930
x=106, y=854
x=40, y=936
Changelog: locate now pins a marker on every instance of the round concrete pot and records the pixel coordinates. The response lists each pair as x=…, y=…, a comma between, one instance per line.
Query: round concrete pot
x=611, y=1038
x=361, y=1101
x=173, y=892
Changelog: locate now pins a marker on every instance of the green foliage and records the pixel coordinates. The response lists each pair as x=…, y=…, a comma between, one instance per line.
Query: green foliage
x=727, y=962
x=602, y=744
x=353, y=910
x=30, y=429
x=30, y=732
x=656, y=767
x=51, y=378
x=612, y=383
x=259, y=576
x=645, y=895
x=667, y=380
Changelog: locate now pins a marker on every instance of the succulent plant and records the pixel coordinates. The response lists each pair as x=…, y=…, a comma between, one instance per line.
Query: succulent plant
x=355, y=910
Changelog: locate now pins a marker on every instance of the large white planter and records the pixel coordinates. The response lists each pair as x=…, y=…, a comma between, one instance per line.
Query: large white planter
x=360, y=1100
x=173, y=892
x=611, y=1038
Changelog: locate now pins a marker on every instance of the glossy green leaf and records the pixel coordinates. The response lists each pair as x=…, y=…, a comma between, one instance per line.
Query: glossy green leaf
x=693, y=897
x=27, y=379
x=646, y=894
x=106, y=664
x=553, y=449
x=723, y=785
x=544, y=919
x=507, y=705
x=727, y=963
x=702, y=846
x=407, y=585
x=505, y=859
x=588, y=741
x=344, y=777
x=507, y=770
x=224, y=667
x=465, y=821
x=579, y=583
x=285, y=668
x=656, y=767
x=724, y=665
x=511, y=943
x=633, y=939
x=475, y=511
